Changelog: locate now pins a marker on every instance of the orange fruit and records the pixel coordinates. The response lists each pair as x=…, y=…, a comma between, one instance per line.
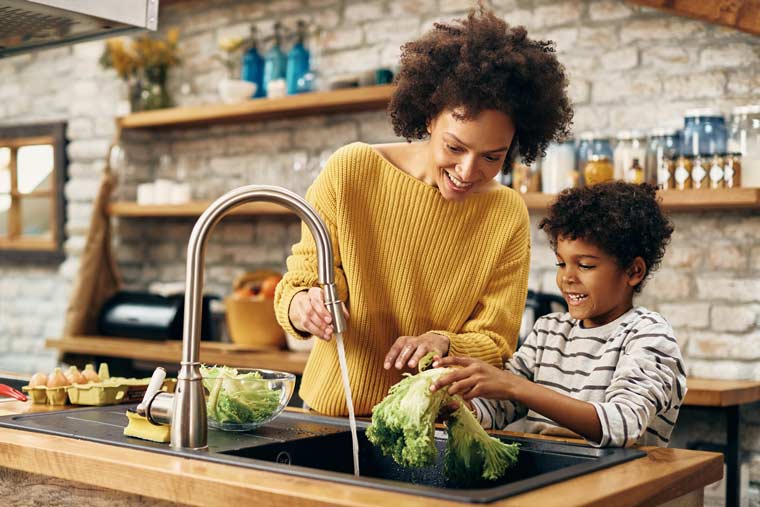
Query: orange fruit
x=269, y=284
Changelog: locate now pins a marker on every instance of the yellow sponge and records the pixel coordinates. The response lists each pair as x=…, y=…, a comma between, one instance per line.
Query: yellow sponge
x=140, y=427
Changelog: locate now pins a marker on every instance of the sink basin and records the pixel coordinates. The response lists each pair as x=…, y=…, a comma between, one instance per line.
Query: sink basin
x=319, y=447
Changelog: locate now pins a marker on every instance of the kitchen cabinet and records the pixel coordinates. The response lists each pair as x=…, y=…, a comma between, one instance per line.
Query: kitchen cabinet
x=739, y=14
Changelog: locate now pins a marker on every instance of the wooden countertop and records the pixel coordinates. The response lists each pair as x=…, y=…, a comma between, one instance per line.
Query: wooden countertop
x=662, y=475
x=721, y=393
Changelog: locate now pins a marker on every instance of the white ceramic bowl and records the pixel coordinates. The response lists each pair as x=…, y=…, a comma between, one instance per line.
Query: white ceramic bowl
x=236, y=90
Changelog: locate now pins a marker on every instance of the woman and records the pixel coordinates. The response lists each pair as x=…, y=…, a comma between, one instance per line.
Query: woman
x=431, y=252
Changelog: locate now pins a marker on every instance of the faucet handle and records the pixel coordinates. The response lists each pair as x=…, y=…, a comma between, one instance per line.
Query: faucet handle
x=334, y=306
x=156, y=381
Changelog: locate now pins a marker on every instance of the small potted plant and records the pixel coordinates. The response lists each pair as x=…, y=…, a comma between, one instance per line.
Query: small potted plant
x=233, y=90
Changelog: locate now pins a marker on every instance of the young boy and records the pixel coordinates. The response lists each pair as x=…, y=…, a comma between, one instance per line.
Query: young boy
x=605, y=370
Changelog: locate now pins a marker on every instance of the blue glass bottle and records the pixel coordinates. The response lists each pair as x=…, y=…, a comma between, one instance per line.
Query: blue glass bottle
x=275, y=61
x=253, y=66
x=298, y=62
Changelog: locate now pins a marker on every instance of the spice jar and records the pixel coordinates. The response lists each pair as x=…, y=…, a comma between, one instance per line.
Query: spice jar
x=598, y=170
x=682, y=172
x=664, y=145
x=635, y=173
x=630, y=145
x=699, y=170
x=666, y=173
x=715, y=175
x=732, y=170
x=558, y=168
x=745, y=140
x=526, y=178
x=590, y=144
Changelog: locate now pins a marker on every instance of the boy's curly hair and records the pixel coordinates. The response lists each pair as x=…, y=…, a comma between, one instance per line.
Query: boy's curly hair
x=623, y=219
x=481, y=63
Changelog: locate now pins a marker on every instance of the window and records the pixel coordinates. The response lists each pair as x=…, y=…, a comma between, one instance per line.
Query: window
x=32, y=207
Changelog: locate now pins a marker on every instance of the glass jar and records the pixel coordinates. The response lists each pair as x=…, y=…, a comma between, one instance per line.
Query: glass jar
x=682, y=172
x=598, y=170
x=630, y=145
x=732, y=170
x=715, y=174
x=664, y=145
x=699, y=170
x=558, y=168
x=635, y=173
x=745, y=140
x=590, y=144
x=704, y=132
x=526, y=178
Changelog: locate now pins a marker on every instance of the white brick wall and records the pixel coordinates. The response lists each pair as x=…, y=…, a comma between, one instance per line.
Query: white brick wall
x=630, y=67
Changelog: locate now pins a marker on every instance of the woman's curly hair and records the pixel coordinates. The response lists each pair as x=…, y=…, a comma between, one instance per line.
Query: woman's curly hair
x=623, y=219
x=481, y=63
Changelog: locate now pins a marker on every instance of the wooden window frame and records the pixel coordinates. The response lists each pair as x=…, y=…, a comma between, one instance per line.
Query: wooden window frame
x=20, y=249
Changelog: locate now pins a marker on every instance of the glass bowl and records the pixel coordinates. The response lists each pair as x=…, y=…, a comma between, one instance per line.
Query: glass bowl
x=242, y=399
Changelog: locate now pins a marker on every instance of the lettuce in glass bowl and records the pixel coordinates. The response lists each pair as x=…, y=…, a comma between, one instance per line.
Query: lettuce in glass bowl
x=239, y=399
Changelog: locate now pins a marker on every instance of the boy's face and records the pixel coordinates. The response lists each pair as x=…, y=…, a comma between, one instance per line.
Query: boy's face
x=597, y=290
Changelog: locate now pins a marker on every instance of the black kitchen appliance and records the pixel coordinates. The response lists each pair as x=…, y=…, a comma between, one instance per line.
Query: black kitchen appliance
x=149, y=316
x=537, y=305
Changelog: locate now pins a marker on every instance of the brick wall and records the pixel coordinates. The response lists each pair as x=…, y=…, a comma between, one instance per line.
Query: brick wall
x=630, y=67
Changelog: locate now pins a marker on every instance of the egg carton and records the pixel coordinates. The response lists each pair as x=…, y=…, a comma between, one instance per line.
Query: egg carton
x=112, y=391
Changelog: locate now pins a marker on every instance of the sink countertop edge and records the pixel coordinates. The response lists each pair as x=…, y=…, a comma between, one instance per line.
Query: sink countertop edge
x=662, y=475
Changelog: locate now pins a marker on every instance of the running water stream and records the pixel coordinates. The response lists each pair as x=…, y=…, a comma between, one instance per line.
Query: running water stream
x=349, y=400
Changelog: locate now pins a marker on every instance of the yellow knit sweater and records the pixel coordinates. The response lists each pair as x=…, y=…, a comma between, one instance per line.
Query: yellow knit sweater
x=407, y=261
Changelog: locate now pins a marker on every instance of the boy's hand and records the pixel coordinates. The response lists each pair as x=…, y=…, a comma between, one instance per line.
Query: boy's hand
x=450, y=408
x=475, y=379
x=408, y=350
x=309, y=314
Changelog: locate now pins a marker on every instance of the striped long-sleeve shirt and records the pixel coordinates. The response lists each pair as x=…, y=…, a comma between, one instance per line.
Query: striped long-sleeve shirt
x=631, y=370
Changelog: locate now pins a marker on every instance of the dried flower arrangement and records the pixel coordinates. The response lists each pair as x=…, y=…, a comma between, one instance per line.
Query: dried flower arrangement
x=144, y=66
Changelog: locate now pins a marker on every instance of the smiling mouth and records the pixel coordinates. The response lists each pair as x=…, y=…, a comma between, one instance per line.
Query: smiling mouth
x=575, y=297
x=461, y=185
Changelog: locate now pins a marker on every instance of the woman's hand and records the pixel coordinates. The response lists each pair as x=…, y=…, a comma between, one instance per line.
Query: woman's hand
x=476, y=379
x=408, y=350
x=309, y=314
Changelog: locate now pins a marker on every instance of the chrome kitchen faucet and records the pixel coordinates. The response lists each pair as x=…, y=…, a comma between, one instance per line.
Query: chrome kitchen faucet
x=185, y=409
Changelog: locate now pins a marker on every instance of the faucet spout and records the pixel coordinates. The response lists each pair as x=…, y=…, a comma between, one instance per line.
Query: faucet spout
x=188, y=413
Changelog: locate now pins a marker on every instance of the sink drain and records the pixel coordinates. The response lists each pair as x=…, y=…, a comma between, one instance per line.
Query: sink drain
x=283, y=457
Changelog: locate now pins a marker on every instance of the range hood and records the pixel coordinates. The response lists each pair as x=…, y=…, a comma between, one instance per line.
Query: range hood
x=28, y=25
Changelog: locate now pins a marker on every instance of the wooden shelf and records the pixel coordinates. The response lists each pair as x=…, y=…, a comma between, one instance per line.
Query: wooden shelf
x=675, y=200
x=679, y=200
x=337, y=101
x=191, y=209
x=171, y=351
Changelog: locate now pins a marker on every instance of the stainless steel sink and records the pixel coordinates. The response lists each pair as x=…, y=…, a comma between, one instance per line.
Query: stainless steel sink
x=320, y=448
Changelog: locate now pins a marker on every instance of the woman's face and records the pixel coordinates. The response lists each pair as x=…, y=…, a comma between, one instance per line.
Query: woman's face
x=466, y=155
x=597, y=290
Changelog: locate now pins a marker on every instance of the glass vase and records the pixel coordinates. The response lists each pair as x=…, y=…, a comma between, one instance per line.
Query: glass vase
x=154, y=94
